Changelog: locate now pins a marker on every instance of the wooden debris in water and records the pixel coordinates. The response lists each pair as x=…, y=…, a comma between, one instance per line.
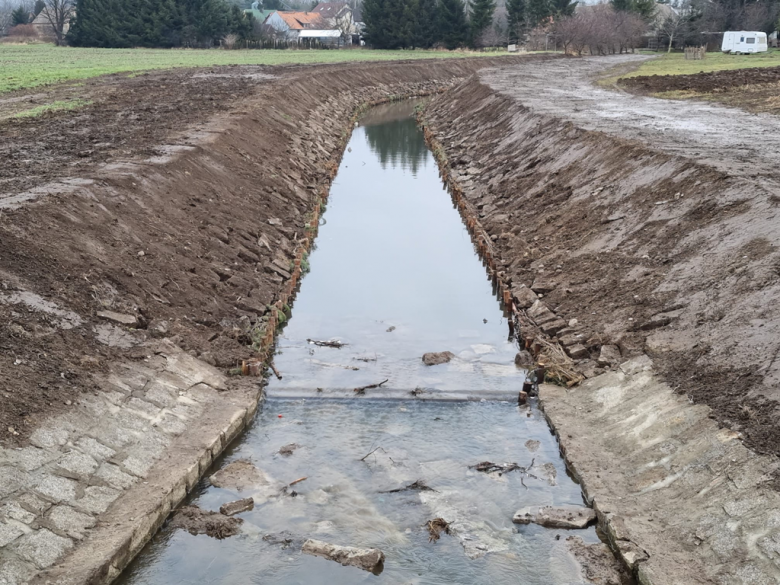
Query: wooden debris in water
x=502, y=468
x=332, y=343
x=436, y=527
x=418, y=486
x=362, y=389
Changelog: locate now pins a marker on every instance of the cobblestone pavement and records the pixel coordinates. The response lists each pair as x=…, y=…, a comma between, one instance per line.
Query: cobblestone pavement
x=53, y=492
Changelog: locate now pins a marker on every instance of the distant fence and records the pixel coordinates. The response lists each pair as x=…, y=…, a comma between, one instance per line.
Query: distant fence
x=695, y=53
x=288, y=44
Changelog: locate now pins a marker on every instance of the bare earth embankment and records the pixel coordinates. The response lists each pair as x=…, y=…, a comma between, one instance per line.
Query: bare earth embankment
x=643, y=226
x=143, y=240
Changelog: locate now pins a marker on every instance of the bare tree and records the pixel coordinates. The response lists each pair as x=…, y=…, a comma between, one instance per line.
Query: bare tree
x=58, y=14
x=670, y=27
x=344, y=24
x=6, y=20
x=601, y=30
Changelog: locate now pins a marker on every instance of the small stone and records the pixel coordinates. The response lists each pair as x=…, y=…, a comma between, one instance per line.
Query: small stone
x=158, y=329
x=541, y=286
x=598, y=564
x=288, y=450
x=436, y=358
x=532, y=445
x=573, y=322
x=237, y=507
x=609, y=355
x=238, y=476
x=524, y=297
x=577, y=351
x=524, y=359
x=556, y=516
x=368, y=559
x=197, y=521
x=118, y=318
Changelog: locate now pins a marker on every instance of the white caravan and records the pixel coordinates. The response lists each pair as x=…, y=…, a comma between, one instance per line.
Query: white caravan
x=744, y=42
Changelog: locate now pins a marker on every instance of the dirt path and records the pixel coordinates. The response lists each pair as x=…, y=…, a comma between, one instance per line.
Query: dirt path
x=732, y=141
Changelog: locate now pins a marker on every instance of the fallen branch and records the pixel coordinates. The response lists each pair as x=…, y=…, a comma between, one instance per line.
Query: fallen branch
x=275, y=371
x=371, y=453
x=502, y=468
x=336, y=344
x=418, y=486
x=293, y=493
x=362, y=389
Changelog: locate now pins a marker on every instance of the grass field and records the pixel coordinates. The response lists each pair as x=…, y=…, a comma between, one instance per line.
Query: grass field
x=675, y=63
x=25, y=66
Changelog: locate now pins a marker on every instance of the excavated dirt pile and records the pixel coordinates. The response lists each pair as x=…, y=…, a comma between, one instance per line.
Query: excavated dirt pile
x=626, y=250
x=192, y=244
x=711, y=82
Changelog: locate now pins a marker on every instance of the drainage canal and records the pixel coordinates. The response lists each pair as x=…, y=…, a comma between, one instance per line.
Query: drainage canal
x=394, y=275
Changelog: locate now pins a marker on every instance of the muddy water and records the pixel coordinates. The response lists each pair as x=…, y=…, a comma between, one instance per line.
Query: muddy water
x=394, y=275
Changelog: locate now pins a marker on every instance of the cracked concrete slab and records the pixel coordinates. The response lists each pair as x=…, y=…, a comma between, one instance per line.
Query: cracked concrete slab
x=682, y=500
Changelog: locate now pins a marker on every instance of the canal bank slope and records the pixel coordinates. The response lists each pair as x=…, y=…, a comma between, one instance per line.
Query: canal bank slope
x=624, y=226
x=130, y=288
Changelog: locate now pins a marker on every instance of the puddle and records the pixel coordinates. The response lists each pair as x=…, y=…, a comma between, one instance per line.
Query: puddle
x=394, y=275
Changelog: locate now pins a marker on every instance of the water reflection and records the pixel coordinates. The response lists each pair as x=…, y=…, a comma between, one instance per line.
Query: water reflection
x=401, y=144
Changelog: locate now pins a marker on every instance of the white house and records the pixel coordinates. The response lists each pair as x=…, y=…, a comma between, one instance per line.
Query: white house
x=292, y=23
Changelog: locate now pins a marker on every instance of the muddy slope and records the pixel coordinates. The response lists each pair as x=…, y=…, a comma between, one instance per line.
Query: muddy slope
x=648, y=252
x=193, y=243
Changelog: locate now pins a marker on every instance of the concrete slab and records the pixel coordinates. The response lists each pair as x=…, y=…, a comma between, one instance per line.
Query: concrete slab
x=681, y=500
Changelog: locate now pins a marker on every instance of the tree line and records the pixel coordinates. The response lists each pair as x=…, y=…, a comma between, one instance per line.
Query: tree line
x=401, y=24
x=156, y=23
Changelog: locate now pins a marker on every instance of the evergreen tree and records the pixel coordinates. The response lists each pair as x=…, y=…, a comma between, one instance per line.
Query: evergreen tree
x=453, y=28
x=515, y=19
x=481, y=18
x=20, y=16
x=39, y=5
x=537, y=11
x=426, y=29
x=644, y=8
x=563, y=8
x=375, y=30
x=155, y=23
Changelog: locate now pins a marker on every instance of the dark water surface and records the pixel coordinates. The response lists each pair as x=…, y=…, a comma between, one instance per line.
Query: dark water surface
x=392, y=254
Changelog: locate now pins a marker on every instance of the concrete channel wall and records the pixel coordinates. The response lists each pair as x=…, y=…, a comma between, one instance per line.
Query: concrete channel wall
x=91, y=485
